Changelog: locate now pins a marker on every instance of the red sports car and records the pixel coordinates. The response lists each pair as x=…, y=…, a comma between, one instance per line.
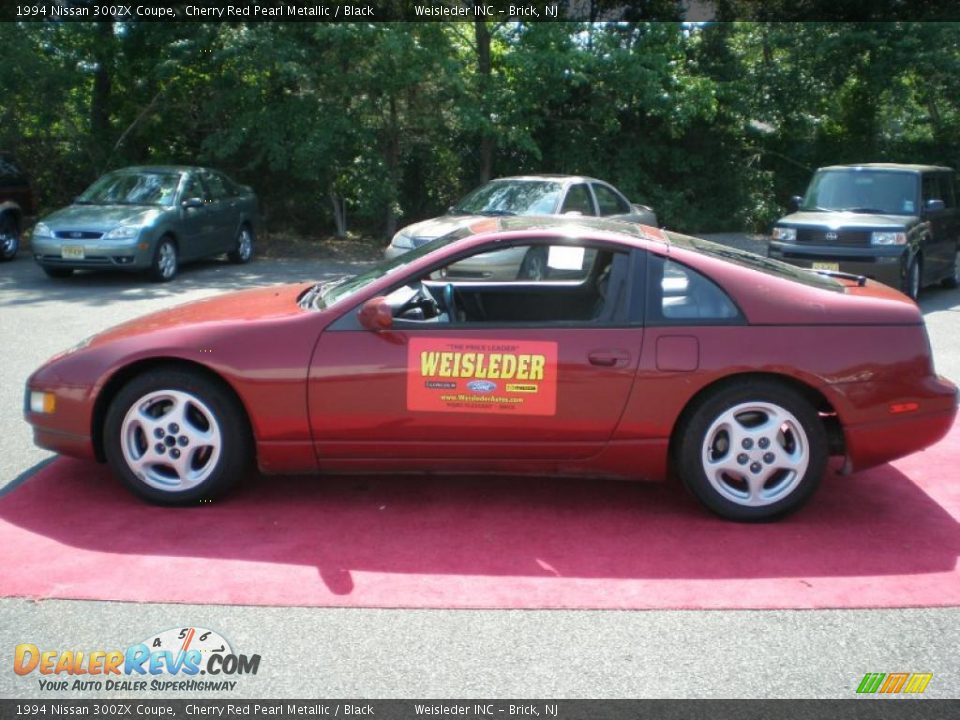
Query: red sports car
x=636, y=353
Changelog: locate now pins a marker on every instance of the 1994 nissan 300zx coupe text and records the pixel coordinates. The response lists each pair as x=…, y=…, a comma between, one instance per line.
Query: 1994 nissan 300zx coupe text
x=636, y=353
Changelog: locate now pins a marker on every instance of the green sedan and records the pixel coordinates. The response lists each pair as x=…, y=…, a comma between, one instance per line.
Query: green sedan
x=149, y=219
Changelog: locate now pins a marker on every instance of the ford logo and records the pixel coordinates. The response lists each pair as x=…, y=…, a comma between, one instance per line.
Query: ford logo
x=481, y=386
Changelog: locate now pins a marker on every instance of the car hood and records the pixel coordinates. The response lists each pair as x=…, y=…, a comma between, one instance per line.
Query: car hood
x=435, y=227
x=243, y=306
x=101, y=217
x=836, y=220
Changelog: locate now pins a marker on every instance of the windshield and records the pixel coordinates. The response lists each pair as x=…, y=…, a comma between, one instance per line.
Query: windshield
x=133, y=188
x=756, y=262
x=865, y=191
x=328, y=294
x=512, y=197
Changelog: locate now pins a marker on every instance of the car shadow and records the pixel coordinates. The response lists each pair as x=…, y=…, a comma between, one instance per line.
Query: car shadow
x=874, y=523
x=936, y=299
x=100, y=288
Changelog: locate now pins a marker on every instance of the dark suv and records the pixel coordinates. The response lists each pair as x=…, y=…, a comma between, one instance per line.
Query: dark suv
x=898, y=224
x=16, y=203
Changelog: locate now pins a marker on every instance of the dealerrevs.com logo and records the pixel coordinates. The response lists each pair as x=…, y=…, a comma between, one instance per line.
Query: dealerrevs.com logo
x=190, y=659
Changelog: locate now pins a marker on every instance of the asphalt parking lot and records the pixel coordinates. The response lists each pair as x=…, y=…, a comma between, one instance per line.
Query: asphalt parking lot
x=440, y=653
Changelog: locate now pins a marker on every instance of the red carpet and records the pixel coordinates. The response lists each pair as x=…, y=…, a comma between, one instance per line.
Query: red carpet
x=885, y=538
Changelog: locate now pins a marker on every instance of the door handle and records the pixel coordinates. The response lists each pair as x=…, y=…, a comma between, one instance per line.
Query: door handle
x=608, y=358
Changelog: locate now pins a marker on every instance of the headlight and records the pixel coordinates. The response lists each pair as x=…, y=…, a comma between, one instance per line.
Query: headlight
x=42, y=230
x=402, y=241
x=888, y=238
x=785, y=234
x=124, y=232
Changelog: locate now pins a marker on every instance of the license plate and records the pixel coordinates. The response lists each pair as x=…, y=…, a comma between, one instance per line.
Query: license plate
x=826, y=266
x=72, y=252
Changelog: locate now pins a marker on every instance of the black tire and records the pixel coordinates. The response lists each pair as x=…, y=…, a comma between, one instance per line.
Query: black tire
x=165, y=262
x=130, y=443
x=534, y=265
x=800, y=437
x=912, y=279
x=244, y=246
x=9, y=237
x=57, y=273
x=953, y=280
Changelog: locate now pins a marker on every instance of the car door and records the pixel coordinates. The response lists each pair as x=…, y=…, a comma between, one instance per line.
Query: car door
x=223, y=213
x=196, y=224
x=543, y=374
x=934, y=244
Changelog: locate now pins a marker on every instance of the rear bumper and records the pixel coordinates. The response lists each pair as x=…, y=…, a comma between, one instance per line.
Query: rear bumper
x=875, y=443
x=884, y=263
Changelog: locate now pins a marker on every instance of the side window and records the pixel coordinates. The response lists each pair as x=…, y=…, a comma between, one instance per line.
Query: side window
x=609, y=202
x=930, y=188
x=947, y=190
x=679, y=294
x=194, y=188
x=572, y=285
x=578, y=200
x=218, y=190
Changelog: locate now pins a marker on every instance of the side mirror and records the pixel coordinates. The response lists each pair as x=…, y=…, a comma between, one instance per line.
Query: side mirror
x=191, y=203
x=795, y=202
x=934, y=205
x=376, y=314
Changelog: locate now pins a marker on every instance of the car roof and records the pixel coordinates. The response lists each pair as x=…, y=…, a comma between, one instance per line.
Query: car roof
x=902, y=167
x=162, y=168
x=552, y=177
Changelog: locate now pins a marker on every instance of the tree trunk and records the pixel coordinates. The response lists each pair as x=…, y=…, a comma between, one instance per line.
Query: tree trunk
x=339, y=213
x=100, y=99
x=484, y=73
x=392, y=160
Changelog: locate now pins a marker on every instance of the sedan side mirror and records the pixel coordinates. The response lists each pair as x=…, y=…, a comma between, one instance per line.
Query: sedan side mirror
x=795, y=202
x=192, y=203
x=376, y=314
x=934, y=205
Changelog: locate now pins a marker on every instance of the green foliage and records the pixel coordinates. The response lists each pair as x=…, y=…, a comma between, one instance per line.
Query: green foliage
x=715, y=126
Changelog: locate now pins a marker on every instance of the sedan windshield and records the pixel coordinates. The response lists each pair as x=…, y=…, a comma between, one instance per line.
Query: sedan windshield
x=512, y=197
x=133, y=188
x=879, y=192
x=326, y=294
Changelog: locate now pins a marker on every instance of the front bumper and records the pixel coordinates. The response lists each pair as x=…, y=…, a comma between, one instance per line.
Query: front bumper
x=883, y=263
x=135, y=254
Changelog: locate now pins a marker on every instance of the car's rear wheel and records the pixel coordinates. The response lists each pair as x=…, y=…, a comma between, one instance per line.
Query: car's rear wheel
x=534, y=264
x=752, y=452
x=58, y=273
x=953, y=280
x=165, y=261
x=9, y=237
x=176, y=437
x=243, y=249
x=911, y=280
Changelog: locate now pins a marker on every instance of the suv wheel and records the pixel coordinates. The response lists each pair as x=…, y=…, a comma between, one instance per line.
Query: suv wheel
x=911, y=281
x=9, y=237
x=954, y=279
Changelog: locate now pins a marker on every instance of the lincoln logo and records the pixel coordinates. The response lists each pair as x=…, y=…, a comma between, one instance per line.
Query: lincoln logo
x=831, y=236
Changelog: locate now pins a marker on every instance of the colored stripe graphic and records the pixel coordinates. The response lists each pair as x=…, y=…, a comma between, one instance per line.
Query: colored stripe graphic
x=893, y=683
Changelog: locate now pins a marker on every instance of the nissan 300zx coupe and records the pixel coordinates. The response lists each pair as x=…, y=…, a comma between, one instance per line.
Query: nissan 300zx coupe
x=637, y=354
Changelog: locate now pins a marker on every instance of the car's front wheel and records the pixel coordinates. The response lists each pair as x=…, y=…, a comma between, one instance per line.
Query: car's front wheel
x=243, y=247
x=176, y=437
x=752, y=452
x=911, y=280
x=165, y=261
x=9, y=237
x=953, y=280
